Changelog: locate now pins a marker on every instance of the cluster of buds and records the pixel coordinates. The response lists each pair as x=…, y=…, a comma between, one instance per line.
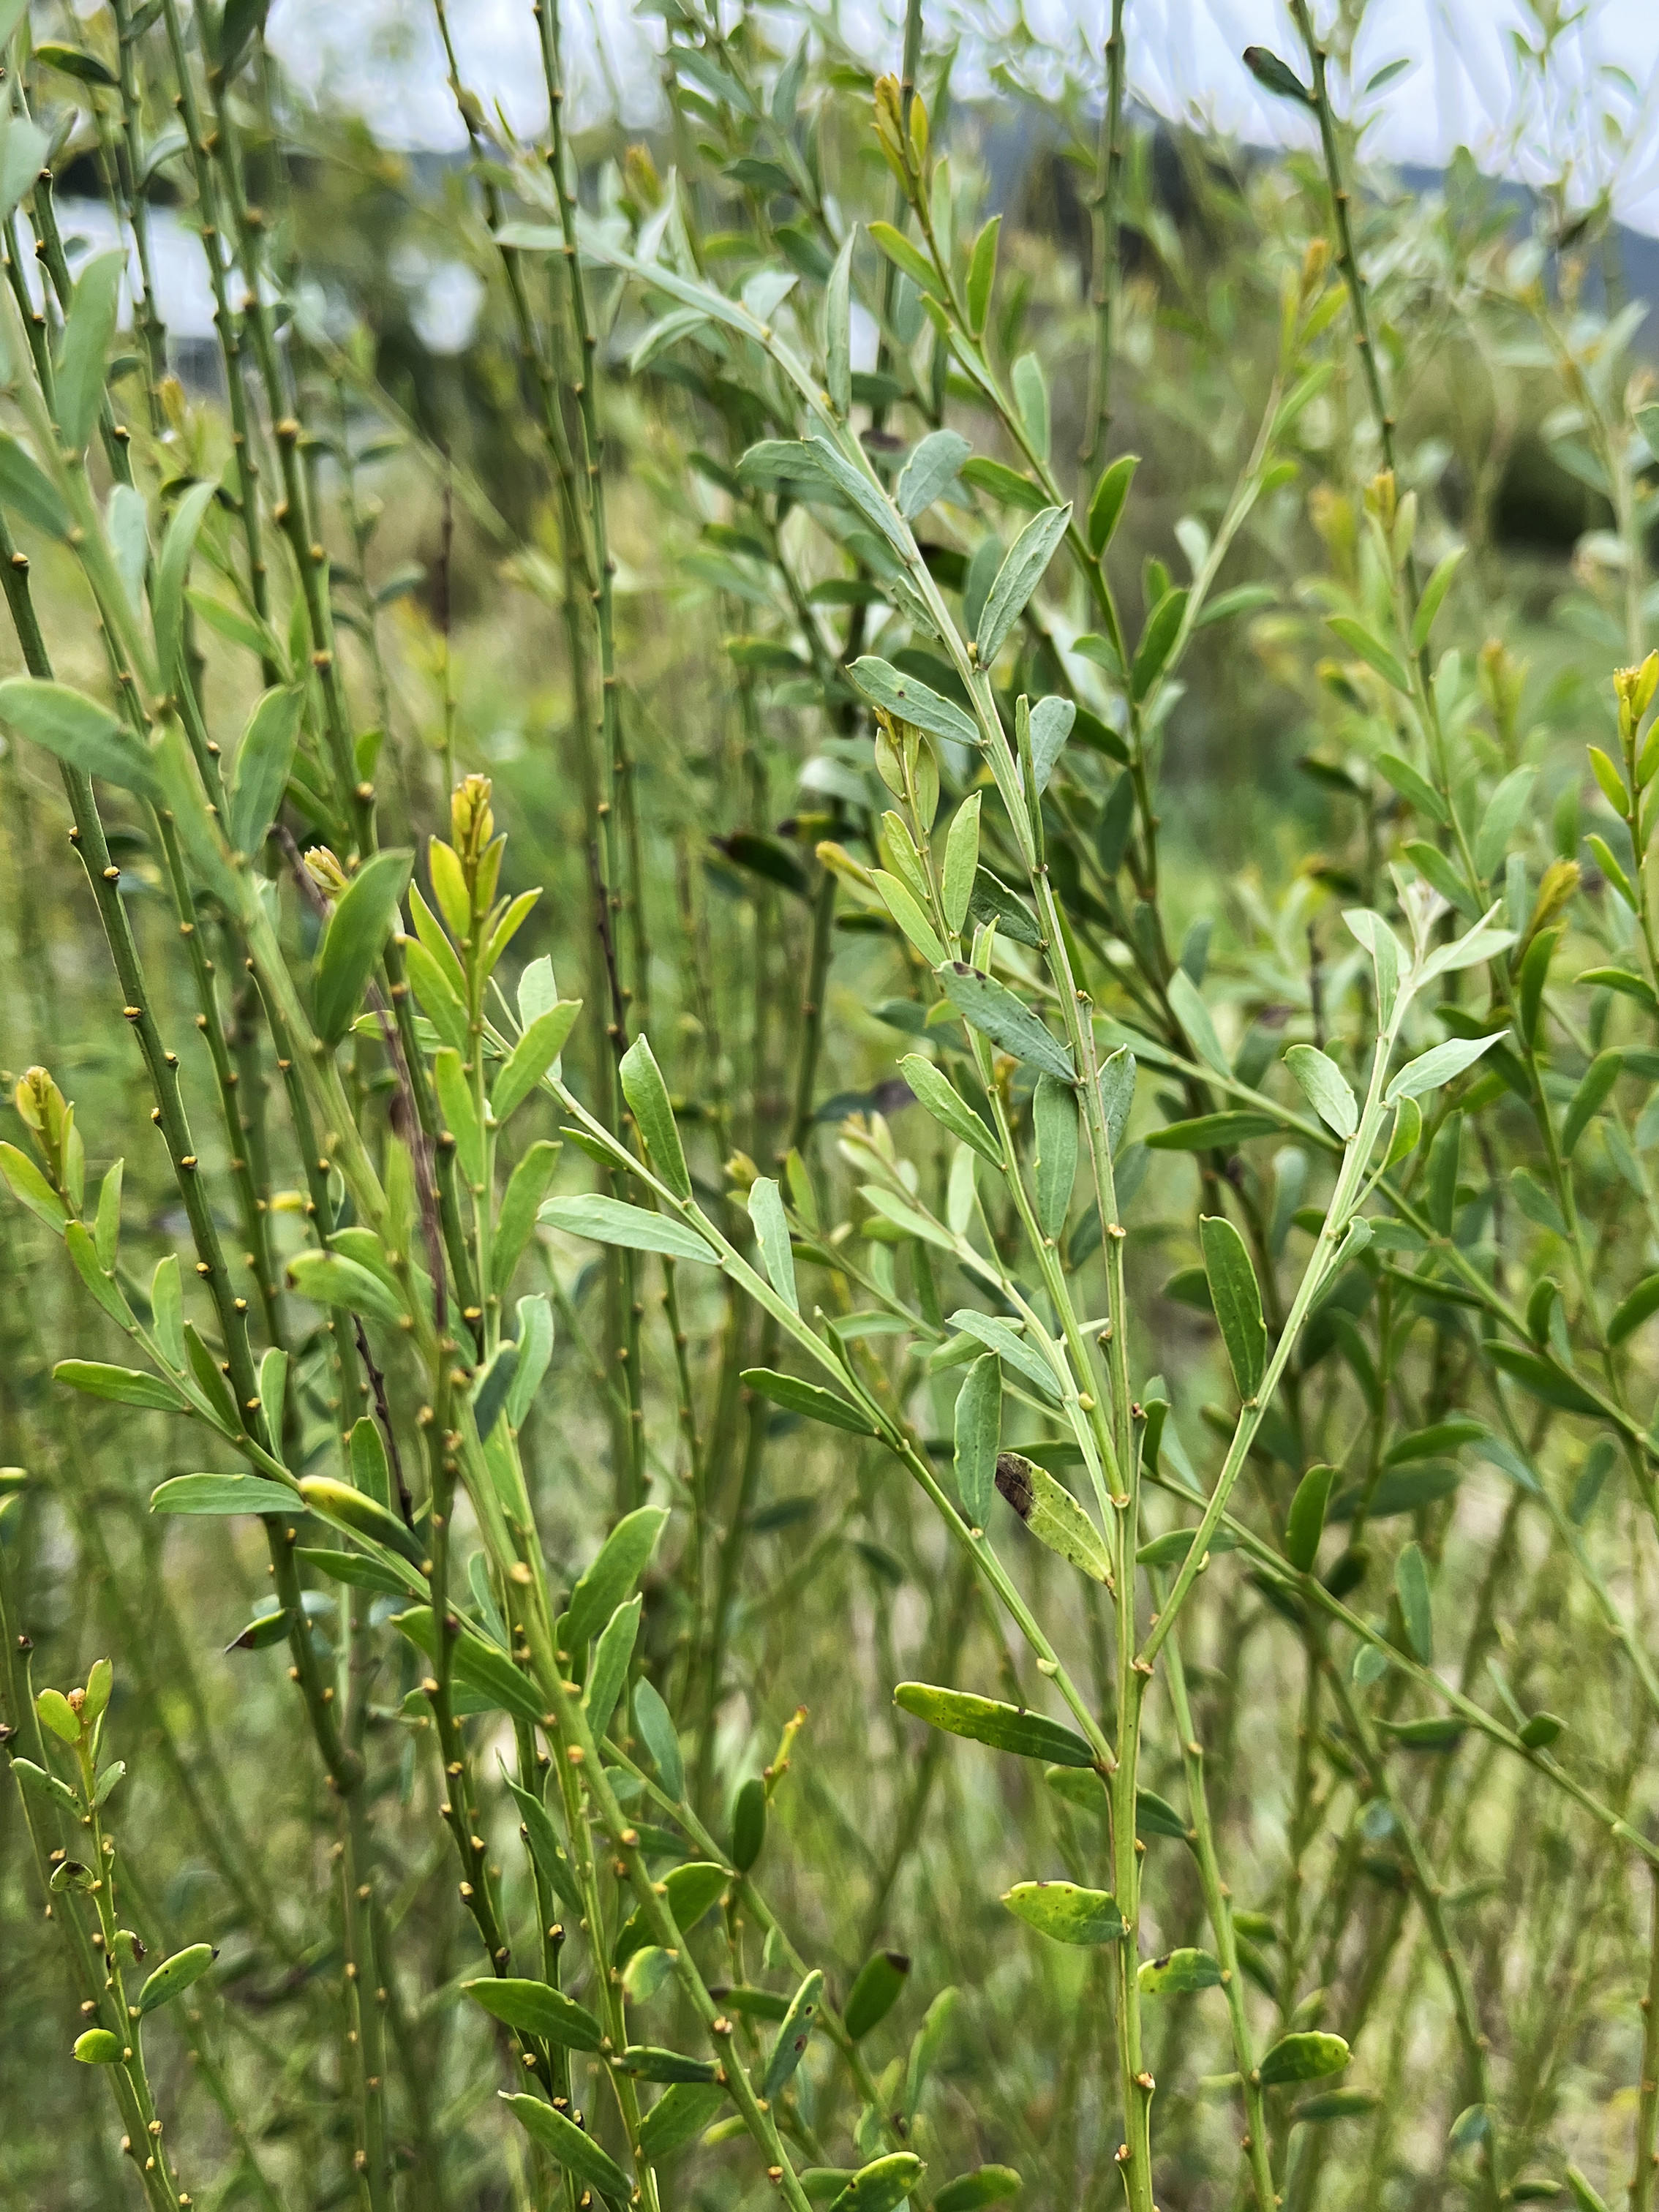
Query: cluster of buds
x=50, y=1120
x=1396, y=518
x=326, y=871
x=471, y=824
x=1634, y=688
x=903, y=142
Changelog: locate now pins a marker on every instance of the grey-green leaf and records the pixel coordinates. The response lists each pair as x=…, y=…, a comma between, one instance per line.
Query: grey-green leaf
x=1053, y=1515
x=574, y=2150
x=653, y=1114
x=611, y=1221
x=90, y=325
x=263, y=759
x=794, y=2032
x=1054, y=1113
x=536, y=2009
x=657, y=1731
x=978, y=1437
x=1411, y=1582
x=356, y=937
x=910, y=700
x=623, y=1558
x=1325, y=1088
x=1018, y=578
x=772, y=1235
x=931, y=469
x=994, y=1010
x=985, y=1720
x=80, y=732
x=1237, y=1296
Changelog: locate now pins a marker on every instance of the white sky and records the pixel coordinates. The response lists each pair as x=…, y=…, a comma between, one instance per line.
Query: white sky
x=1465, y=85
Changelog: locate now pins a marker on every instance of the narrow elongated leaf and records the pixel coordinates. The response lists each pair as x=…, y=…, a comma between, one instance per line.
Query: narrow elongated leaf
x=772, y=1235
x=910, y=916
x=263, y=759
x=353, y=1509
x=978, y=1436
x=1158, y=642
x=794, y=2035
x=1434, y=593
x=678, y=2117
x=1018, y=578
x=1053, y=1515
x=653, y=1114
x=623, y=1558
x=1195, y=1019
x=88, y=330
x=932, y=469
x=1237, y=1296
x=993, y=1009
x=904, y=255
x=355, y=940
x=25, y=486
x=1633, y=1310
x=30, y=1187
x=1052, y=722
x=1325, y=1088
x=1306, y=1524
x=224, y=1493
x=881, y=2186
x=1411, y=1582
x=329, y=1279
x=809, y=1398
x=1371, y=649
x=611, y=1654
x=482, y=1668
x=1106, y=507
x=535, y=2008
x=837, y=328
x=80, y=732
x=1054, y=1113
x=1067, y=1913
x=1442, y=1064
x=122, y=1386
x=657, y=1731
x=575, y=2151
x=907, y=699
x=611, y=1221
x=876, y=1989
x=984, y=1720
x=951, y=1112
x=530, y=1058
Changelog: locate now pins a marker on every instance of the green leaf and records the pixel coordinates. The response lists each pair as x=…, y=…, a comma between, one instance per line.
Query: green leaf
x=653, y=1114
x=876, y=1989
x=97, y=1279
x=1302, y=2058
x=90, y=325
x=1236, y=1298
x=1415, y=787
x=1411, y=1582
x=908, y=257
x=123, y=1386
x=527, y=1189
x=748, y=1824
x=106, y=1229
x=172, y=569
x=1633, y=1310
x=981, y=275
x=931, y=469
x=25, y=486
x=80, y=733
x=1018, y=578
x=535, y=1053
x=907, y=699
x=623, y=1558
x=1052, y=1514
x=994, y=1010
x=1030, y=389
x=1157, y=643
x=1434, y=593
x=910, y=916
x=658, y=1732
x=961, y=861
x=1371, y=650
x=881, y=2186
x=978, y=1436
x=809, y=1398
x=1443, y=1064
x=789, y=2047
x=536, y=2009
x=86, y=68
x=574, y=2150
x=609, y=1672
x=1065, y=1913
x=611, y=1221
x=986, y=2184
x=224, y=1493
x=1213, y=1132
x=650, y=2062
x=1000, y=1336
x=1004, y=483
x=772, y=1235
x=263, y=759
x=329, y=1279
x=1325, y=1088
x=837, y=328
x=30, y=1187
x=266, y=1629
x=176, y=1974
x=482, y=1668
x=949, y=1110
x=94, y=2046
x=1177, y=1973
x=983, y=1720
x=1597, y=1083
x=1194, y=1018
x=353, y=1509
x=355, y=940
x=678, y=2117
x=1110, y=494
x=357, y=1570
x=1055, y=1117
x=1542, y=1381
x=1335, y=2105
x=1306, y=1523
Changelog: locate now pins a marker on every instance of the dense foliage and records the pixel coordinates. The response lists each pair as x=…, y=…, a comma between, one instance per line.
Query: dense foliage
x=831, y=1222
